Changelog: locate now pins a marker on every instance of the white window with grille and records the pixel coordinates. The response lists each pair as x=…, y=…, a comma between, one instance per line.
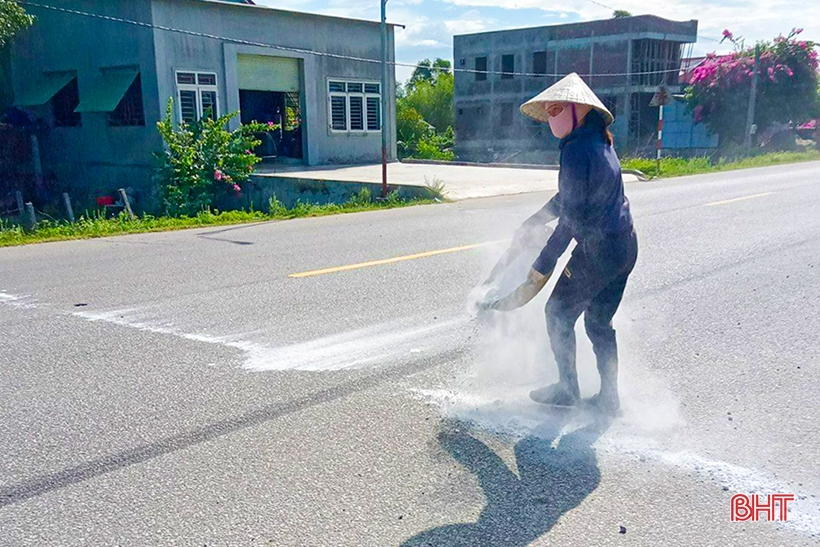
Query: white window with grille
x=354, y=106
x=197, y=95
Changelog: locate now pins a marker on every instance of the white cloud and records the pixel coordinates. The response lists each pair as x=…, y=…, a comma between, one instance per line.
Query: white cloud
x=462, y=26
x=431, y=24
x=503, y=4
x=422, y=31
x=755, y=19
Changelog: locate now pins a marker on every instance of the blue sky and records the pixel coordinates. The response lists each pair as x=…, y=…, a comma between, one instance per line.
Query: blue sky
x=431, y=24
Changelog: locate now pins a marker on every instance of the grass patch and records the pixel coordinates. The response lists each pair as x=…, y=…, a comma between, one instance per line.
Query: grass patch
x=94, y=224
x=678, y=167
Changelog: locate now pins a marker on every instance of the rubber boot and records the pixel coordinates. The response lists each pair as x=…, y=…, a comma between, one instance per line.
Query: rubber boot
x=565, y=393
x=556, y=395
x=607, y=401
x=561, y=332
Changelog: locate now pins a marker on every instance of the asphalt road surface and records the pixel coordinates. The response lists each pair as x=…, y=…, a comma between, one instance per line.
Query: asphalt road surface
x=187, y=389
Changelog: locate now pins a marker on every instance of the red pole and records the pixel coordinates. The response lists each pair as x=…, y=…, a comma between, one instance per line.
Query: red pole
x=385, y=103
x=660, y=137
x=384, y=170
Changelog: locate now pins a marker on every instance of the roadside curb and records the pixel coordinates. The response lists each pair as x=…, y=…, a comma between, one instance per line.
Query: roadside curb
x=540, y=167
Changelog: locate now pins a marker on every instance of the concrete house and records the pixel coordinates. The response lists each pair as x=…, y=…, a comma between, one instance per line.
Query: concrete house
x=97, y=76
x=625, y=61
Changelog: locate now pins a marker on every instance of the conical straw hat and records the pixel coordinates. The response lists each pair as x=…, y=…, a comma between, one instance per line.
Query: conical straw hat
x=572, y=89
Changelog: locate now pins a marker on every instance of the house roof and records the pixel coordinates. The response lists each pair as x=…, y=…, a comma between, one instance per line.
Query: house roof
x=638, y=24
x=254, y=5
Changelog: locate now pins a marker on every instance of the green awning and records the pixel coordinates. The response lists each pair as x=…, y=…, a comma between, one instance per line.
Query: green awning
x=106, y=92
x=42, y=90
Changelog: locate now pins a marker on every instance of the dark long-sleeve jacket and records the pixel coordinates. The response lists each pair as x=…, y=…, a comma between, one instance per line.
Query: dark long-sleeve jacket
x=590, y=203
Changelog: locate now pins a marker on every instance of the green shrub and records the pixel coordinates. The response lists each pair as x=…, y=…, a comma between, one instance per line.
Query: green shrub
x=677, y=167
x=362, y=199
x=204, y=161
x=276, y=209
x=436, y=146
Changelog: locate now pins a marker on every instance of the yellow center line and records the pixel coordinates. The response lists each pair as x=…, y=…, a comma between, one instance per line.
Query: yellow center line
x=391, y=260
x=724, y=202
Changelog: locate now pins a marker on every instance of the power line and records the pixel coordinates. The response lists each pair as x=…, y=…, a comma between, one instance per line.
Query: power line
x=325, y=54
x=602, y=5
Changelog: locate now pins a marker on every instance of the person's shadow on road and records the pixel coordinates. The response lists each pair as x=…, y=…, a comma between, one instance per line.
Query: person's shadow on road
x=550, y=482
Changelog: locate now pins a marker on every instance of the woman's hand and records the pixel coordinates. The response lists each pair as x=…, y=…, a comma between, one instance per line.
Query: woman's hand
x=520, y=296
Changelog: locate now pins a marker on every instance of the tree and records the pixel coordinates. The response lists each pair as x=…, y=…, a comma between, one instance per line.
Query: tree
x=718, y=93
x=434, y=100
x=13, y=19
x=425, y=113
x=621, y=14
x=410, y=128
x=420, y=140
x=427, y=71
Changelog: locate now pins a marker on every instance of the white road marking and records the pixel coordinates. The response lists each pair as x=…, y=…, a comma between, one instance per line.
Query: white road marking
x=734, y=200
x=17, y=301
x=351, y=349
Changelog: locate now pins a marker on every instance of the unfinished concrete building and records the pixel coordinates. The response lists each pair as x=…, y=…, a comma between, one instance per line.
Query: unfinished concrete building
x=625, y=60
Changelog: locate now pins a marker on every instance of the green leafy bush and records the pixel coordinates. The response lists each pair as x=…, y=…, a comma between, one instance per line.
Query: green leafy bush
x=436, y=146
x=718, y=93
x=204, y=161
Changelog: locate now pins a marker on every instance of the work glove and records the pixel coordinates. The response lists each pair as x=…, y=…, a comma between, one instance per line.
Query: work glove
x=489, y=301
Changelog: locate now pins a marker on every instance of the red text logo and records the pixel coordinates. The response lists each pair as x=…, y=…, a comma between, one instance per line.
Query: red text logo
x=754, y=508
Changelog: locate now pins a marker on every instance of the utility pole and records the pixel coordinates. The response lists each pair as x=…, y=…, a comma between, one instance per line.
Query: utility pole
x=660, y=99
x=591, y=57
x=385, y=101
x=750, y=117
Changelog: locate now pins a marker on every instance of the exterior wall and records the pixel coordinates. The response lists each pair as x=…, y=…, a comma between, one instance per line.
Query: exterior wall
x=94, y=157
x=295, y=30
x=485, y=132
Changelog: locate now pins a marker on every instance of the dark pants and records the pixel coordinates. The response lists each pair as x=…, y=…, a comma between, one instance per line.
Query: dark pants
x=593, y=283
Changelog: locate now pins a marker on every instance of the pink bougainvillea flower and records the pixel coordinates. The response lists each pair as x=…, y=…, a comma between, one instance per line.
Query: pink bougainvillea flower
x=219, y=175
x=271, y=125
x=727, y=34
x=798, y=31
x=237, y=188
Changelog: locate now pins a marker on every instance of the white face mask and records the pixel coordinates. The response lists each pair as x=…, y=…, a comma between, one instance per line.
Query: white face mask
x=564, y=123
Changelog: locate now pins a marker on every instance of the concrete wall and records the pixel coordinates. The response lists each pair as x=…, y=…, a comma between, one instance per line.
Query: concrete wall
x=289, y=191
x=295, y=30
x=93, y=158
